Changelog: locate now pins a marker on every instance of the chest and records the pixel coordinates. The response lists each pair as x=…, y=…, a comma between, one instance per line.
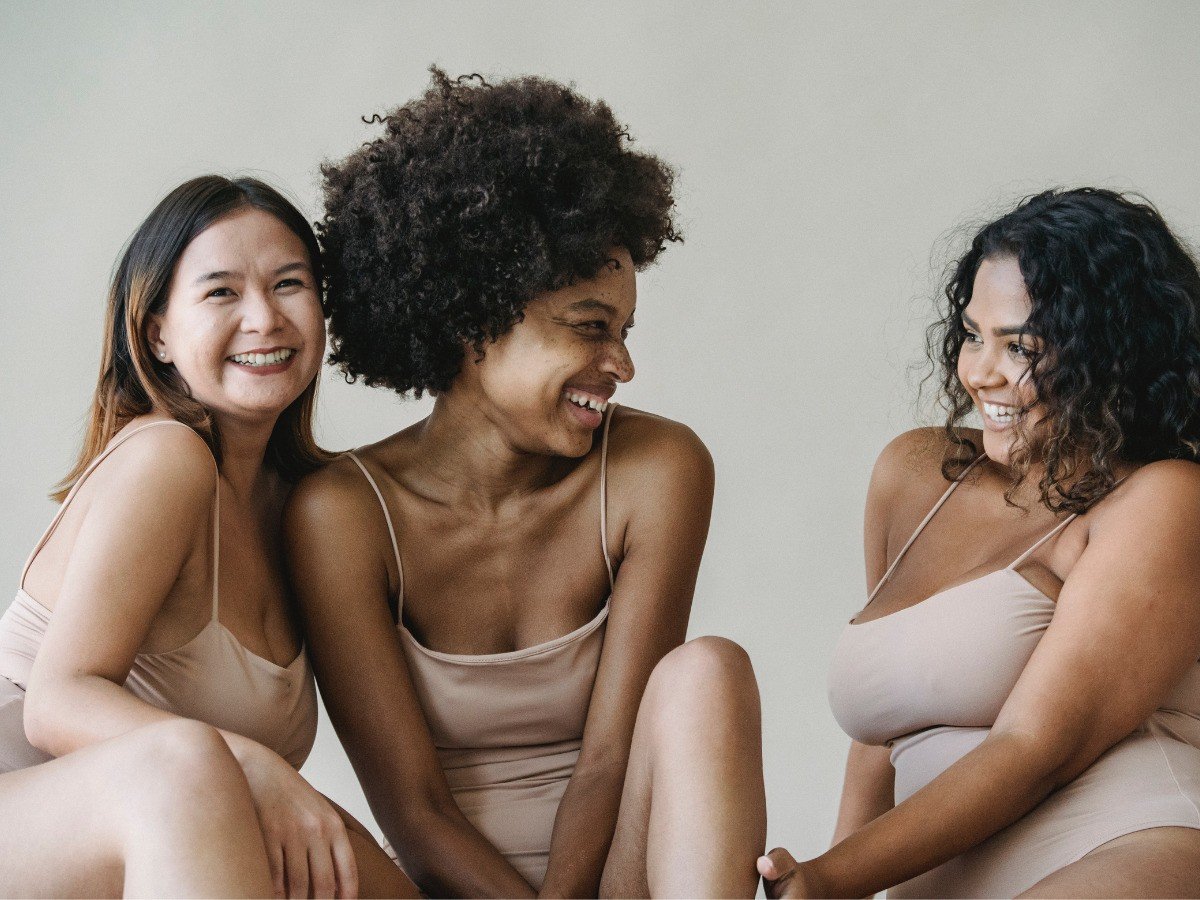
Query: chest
x=479, y=584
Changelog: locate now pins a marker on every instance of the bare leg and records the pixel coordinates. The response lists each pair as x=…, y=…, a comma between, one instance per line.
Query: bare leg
x=378, y=874
x=1157, y=862
x=693, y=813
x=162, y=811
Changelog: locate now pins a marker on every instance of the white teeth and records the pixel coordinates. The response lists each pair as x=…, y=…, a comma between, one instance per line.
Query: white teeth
x=262, y=359
x=582, y=400
x=999, y=414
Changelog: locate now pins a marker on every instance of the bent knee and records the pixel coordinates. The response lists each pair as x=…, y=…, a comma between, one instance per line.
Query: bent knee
x=705, y=663
x=183, y=757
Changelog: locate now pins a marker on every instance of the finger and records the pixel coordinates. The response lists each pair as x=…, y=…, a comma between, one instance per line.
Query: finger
x=295, y=864
x=345, y=865
x=275, y=859
x=779, y=860
x=320, y=872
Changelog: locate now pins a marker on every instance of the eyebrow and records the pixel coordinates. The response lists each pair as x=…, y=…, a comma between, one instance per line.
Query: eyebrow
x=591, y=304
x=999, y=332
x=221, y=274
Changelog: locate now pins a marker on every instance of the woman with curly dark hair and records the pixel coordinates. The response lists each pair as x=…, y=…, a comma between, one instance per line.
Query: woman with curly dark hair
x=1023, y=691
x=497, y=596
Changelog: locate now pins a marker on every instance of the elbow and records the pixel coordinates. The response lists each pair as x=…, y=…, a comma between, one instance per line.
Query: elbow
x=42, y=717
x=1044, y=759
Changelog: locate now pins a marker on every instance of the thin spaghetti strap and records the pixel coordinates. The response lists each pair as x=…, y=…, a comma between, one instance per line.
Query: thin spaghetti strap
x=387, y=517
x=903, y=550
x=1055, y=530
x=1032, y=550
x=50, y=529
x=216, y=575
x=604, y=497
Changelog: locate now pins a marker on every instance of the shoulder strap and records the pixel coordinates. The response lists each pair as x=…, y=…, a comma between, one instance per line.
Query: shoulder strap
x=903, y=550
x=387, y=517
x=103, y=455
x=604, y=496
x=1051, y=533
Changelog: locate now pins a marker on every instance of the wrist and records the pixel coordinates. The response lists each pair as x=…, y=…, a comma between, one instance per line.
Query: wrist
x=820, y=876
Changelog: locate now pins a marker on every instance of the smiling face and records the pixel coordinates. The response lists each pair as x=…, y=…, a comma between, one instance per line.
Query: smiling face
x=994, y=362
x=243, y=324
x=547, y=381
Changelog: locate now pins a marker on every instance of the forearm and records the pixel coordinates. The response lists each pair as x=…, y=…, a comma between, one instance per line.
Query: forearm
x=445, y=854
x=987, y=790
x=868, y=789
x=70, y=713
x=583, y=832
x=64, y=714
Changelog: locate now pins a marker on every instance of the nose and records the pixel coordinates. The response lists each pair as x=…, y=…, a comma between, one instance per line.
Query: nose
x=982, y=370
x=618, y=363
x=261, y=313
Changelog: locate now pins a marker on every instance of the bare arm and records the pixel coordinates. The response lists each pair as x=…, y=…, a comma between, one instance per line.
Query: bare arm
x=663, y=475
x=1125, y=630
x=868, y=790
x=340, y=557
x=150, y=505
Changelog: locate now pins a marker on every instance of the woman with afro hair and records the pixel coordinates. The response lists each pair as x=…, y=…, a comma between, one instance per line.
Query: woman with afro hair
x=497, y=597
x=1022, y=686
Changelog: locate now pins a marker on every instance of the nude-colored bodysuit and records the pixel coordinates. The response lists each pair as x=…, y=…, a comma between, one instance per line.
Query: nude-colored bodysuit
x=508, y=726
x=929, y=681
x=212, y=678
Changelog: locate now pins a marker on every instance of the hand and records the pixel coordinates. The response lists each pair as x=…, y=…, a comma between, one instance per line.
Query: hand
x=307, y=845
x=784, y=877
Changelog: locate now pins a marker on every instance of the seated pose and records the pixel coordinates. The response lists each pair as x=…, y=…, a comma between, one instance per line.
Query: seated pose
x=1022, y=686
x=495, y=597
x=157, y=595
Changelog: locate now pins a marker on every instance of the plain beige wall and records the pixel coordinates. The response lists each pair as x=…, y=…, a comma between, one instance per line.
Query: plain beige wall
x=826, y=151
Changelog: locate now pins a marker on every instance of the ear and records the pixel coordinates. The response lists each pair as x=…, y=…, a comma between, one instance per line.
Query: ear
x=154, y=337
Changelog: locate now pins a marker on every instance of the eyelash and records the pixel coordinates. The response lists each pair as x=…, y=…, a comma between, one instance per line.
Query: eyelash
x=601, y=327
x=223, y=293
x=1014, y=348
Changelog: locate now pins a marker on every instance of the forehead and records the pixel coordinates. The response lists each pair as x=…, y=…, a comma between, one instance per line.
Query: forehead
x=615, y=285
x=246, y=241
x=999, y=292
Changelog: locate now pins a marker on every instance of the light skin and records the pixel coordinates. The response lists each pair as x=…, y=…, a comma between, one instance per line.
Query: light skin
x=129, y=569
x=1125, y=630
x=495, y=499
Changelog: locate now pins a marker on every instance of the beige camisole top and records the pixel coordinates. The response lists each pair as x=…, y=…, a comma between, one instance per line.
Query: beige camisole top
x=212, y=678
x=508, y=727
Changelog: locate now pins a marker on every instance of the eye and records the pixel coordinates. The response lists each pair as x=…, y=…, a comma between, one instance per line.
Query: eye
x=289, y=283
x=970, y=337
x=221, y=293
x=1021, y=351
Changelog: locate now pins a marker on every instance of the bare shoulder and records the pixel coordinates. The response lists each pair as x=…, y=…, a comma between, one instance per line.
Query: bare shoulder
x=335, y=495
x=1167, y=491
x=170, y=467
x=907, y=478
x=654, y=446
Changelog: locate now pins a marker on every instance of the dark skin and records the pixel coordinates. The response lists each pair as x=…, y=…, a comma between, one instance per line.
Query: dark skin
x=495, y=500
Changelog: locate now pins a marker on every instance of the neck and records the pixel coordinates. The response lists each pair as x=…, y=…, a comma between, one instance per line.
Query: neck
x=243, y=451
x=470, y=454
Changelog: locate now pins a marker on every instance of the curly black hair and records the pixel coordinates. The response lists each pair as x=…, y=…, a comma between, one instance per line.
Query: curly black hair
x=1116, y=303
x=476, y=198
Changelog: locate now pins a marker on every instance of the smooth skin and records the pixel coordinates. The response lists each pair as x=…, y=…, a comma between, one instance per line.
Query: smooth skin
x=1125, y=630
x=129, y=569
x=495, y=498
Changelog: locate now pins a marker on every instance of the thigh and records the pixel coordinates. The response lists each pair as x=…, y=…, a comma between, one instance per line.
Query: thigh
x=59, y=826
x=1156, y=862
